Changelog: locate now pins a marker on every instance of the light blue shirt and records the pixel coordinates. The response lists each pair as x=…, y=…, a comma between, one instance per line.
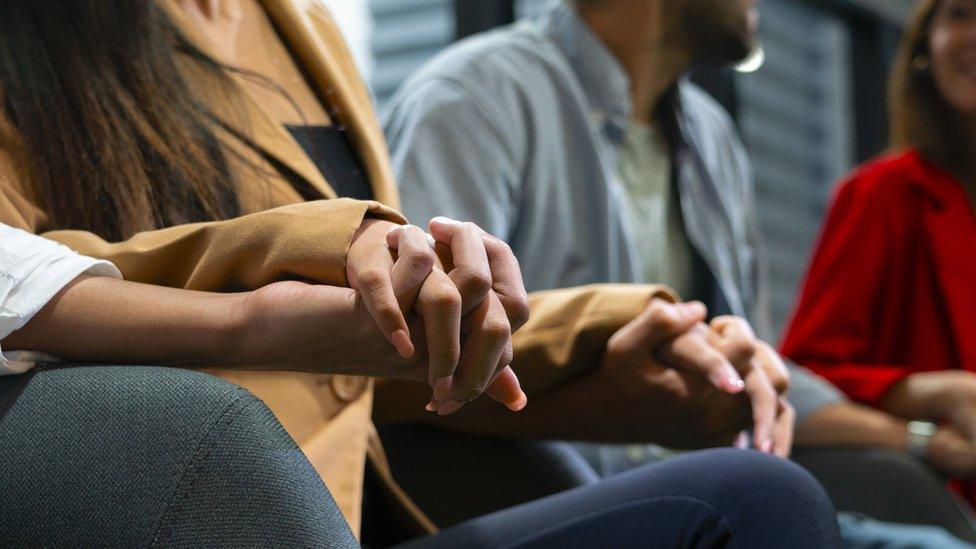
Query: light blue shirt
x=519, y=130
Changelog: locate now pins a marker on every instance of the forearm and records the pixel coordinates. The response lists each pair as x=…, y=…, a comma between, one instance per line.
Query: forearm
x=920, y=396
x=849, y=424
x=118, y=322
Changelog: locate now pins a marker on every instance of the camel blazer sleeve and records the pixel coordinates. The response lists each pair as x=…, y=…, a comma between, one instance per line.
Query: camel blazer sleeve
x=305, y=241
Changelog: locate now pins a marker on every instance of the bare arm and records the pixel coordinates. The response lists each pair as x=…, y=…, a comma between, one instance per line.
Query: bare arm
x=849, y=424
x=105, y=319
x=284, y=326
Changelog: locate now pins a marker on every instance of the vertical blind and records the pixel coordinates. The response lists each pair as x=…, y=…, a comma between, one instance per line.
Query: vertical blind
x=795, y=115
x=406, y=34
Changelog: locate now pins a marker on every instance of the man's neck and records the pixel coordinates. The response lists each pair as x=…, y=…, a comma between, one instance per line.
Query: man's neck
x=652, y=65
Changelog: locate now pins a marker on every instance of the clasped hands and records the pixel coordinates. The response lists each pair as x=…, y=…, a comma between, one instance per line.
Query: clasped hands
x=717, y=376
x=441, y=308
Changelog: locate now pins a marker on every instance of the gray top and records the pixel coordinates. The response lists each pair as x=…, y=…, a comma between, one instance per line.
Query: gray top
x=519, y=131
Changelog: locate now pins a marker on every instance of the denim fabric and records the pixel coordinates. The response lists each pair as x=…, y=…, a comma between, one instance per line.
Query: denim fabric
x=714, y=498
x=864, y=533
x=141, y=456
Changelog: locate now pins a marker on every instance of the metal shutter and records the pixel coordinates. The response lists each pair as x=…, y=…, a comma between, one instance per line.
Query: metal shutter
x=795, y=117
x=406, y=34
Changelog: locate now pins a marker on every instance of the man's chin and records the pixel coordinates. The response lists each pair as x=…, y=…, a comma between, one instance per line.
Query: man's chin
x=729, y=53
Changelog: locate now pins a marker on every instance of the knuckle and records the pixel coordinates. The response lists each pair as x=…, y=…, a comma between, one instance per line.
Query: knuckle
x=780, y=384
x=741, y=349
x=446, y=300
x=615, y=346
x=387, y=312
x=508, y=355
x=372, y=279
x=497, y=329
x=518, y=313
x=658, y=313
x=473, y=283
x=502, y=247
x=419, y=258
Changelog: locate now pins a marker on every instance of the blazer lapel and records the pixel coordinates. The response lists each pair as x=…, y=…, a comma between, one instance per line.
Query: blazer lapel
x=256, y=127
x=319, y=47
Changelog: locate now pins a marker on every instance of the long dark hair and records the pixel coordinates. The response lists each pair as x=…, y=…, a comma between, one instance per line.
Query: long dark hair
x=112, y=139
x=921, y=117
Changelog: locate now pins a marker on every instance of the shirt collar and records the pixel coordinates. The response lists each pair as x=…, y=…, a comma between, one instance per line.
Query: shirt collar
x=604, y=82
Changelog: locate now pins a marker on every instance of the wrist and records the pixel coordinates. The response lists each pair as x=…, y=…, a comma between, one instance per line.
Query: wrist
x=925, y=395
x=231, y=336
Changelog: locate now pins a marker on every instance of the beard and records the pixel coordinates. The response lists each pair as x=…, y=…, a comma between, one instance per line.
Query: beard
x=716, y=31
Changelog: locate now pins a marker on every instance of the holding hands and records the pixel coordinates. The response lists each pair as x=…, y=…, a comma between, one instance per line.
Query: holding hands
x=450, y=299
x=725, y=352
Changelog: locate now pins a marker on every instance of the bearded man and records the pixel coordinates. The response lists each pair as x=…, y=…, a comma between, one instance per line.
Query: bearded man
x=576, y=139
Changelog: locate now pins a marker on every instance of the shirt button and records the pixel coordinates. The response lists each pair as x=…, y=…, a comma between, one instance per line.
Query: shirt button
x=349, y=388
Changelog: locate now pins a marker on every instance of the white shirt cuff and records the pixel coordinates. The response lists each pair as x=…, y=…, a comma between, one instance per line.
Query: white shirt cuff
x=26, y=289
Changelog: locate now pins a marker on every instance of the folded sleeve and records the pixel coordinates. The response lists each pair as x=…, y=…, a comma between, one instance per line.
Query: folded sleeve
x=305, y=241
x=32, y=271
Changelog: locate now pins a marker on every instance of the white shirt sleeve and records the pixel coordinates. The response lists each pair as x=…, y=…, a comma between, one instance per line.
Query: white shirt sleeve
x=33, y=270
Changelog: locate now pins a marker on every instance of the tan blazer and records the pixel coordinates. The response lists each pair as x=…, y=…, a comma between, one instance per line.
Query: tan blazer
x=283, y=237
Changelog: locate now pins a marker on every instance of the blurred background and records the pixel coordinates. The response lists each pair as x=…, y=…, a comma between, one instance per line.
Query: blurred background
x=815, y=108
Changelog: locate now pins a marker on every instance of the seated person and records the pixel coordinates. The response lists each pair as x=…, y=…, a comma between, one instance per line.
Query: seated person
x=887, y=311
x=598, y=163
x=187, y=171
x=218, y=443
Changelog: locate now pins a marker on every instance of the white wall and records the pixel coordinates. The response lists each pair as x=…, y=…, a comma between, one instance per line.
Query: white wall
x=356, y=22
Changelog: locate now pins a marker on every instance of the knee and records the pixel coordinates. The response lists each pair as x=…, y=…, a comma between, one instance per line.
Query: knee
x=751, y=479
x=762, y=498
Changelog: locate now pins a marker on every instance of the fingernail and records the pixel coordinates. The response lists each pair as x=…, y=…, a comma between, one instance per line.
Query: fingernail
x=519, y=403
x=449, y=407
x=401, y=340
x=445, y=221
x=767, y=446
x=442, y=387
x=693, y=310
x=431, y=241
x=431, y=407
x=734, y=380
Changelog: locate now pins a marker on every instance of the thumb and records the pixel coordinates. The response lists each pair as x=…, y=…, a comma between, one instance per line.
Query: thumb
x=659, y=322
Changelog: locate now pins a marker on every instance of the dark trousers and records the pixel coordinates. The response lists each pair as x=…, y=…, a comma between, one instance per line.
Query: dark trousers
x=713, y=498
x=140, y=456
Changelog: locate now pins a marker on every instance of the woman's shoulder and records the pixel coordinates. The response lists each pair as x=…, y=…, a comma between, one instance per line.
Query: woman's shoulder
x=894, y=176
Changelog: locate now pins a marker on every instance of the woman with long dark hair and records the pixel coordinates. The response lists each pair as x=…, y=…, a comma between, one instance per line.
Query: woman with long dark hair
x=888, y=312
x=202, y=147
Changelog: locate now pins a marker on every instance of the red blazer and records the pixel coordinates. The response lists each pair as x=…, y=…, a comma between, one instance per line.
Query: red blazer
x=892, y=286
